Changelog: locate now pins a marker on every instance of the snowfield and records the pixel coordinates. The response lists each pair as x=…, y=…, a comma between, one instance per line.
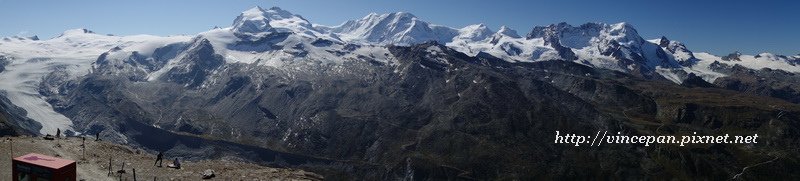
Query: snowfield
x=73, y=51
x=21, y=80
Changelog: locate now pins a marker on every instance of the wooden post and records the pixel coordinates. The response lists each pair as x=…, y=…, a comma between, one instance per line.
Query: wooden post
x=134, y=174
x=11, y=141
x=83, y=146
x=109, y=166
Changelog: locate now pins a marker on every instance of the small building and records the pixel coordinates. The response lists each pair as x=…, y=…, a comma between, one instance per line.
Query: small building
x=34, y=166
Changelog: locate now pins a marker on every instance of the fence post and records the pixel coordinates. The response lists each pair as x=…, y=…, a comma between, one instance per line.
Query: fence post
x=11, y=141
x=83, y=147
x=109, y=166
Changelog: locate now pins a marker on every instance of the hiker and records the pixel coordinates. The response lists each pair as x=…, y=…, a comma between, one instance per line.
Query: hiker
x=159, y=159
x=175, y=164
x=58, y=133
x=97, y=136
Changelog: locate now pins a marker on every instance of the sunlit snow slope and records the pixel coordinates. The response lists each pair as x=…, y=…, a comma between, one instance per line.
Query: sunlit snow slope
x=74, y=51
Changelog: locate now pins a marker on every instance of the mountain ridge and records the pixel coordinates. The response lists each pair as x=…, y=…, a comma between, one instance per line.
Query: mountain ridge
x=390, y=96
x=276, y=37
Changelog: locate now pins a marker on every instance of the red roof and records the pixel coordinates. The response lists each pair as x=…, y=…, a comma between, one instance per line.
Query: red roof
x=44, y=160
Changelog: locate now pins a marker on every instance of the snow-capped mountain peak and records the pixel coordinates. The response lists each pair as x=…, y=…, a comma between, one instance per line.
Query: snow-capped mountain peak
x=78, y=31
x=678, y=50
x=474, y=32
x=506, y=31
x=276, y=13
x=663, y=41
x=624, y=33
x=393, y=28
x=256, y=23
x=252, y=23
x=285, y=21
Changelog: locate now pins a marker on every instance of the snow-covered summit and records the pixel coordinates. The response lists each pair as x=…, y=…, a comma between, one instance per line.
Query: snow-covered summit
x=506, y=31
x=393, y=28
x=474, y=32
x=257, y=23
x=589, y=33
x=679, y=51
x=257, y=32
x=611, y=46
x=78, y=31
x=252, y=23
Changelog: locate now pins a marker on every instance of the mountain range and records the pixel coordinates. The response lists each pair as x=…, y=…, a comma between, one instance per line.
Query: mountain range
x=390, y=96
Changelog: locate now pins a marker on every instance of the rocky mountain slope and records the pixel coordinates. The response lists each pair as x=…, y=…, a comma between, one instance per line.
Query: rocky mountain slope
x=393, y=97
x=13, y=121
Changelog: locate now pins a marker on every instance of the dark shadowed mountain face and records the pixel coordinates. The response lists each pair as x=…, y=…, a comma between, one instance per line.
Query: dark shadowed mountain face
x=3, y=62
x=13, y=121
x=433, y=113
x=765, y=82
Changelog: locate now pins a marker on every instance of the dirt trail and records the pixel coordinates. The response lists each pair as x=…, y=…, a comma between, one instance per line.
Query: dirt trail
x=95, y=164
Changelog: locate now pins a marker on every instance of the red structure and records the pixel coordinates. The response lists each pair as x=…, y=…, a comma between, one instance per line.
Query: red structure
x=34, y=166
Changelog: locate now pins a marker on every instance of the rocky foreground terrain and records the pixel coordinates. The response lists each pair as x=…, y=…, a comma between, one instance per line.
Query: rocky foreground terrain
x=94, y=164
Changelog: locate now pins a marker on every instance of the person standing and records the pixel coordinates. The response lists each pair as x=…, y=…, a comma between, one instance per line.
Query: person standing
x=159, y=159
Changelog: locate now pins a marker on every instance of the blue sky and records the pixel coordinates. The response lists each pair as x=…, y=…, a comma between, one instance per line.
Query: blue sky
x=719, y=27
